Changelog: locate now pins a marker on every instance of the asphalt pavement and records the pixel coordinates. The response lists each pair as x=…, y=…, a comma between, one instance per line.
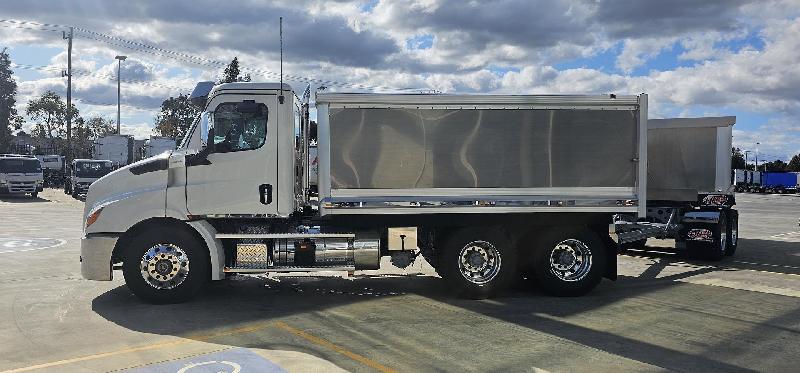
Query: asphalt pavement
x=665, y=312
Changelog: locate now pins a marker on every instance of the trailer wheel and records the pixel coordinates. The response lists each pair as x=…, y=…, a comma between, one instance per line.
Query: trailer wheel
x=165, y=265
x=478, y=263
x=732, y=232
x=569, y=262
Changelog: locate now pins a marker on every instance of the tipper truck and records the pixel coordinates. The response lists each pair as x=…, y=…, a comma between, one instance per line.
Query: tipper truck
x=494, y=185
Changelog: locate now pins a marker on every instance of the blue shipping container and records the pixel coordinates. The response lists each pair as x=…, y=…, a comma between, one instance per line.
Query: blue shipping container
x=786, y=179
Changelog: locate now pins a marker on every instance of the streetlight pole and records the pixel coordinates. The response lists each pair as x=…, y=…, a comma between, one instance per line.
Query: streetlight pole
x=119, y=69
x=746, y=152
x=757, y=144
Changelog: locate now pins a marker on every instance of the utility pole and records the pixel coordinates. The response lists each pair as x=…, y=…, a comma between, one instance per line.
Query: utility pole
x=119, y=70
x=68, y=73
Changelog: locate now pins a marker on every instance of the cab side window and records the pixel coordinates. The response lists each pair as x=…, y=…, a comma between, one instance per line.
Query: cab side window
x=239, y=126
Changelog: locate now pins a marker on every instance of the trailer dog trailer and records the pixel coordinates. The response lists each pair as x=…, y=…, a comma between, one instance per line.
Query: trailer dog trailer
x=492, y=184
x=689, y=191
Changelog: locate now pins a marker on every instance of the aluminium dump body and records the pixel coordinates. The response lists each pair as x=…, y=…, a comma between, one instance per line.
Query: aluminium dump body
x=687, y=156
x=449, y=153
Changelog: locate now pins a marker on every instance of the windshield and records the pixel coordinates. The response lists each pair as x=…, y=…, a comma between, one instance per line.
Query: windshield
x=13, y=166
x=92, y=169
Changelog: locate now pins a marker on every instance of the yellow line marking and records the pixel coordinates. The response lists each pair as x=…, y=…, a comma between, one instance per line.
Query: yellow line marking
x=187, y=339
x=325, y=343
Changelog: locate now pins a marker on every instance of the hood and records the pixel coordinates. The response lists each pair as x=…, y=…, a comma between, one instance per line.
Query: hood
x=127, y=182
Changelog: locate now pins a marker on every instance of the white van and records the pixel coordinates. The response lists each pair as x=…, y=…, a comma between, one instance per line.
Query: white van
x=20, y=174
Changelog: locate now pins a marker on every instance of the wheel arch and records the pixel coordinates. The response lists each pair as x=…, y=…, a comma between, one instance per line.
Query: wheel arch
x=200, y=230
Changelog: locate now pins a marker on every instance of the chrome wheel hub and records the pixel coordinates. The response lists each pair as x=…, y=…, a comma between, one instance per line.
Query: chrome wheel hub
x=164, y=266
x=571, y=260
x=479, y=262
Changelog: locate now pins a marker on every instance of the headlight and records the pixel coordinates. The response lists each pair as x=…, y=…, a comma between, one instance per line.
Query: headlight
x=3, y=182
x=93, y=217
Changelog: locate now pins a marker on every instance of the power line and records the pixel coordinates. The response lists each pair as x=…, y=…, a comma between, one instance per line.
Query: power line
x=146, y=48
x=188, y=58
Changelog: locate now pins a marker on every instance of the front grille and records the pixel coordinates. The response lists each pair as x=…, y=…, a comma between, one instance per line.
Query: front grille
x=22, y=186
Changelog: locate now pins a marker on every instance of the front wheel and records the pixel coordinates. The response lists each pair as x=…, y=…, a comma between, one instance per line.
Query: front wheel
x=478, y=263
x=164, y=265
x=569, y=262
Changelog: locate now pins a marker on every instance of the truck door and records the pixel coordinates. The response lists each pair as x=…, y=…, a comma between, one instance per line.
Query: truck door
x=236, y=173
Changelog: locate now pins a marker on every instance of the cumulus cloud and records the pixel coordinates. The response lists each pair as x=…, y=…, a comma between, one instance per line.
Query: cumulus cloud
x=505, y=46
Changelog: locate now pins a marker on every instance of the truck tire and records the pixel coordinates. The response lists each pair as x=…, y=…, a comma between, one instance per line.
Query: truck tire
x=732, y=232
x=713, y=251
x=165, y=265
x=34, y=194
x=569, y=262
x=478, y=263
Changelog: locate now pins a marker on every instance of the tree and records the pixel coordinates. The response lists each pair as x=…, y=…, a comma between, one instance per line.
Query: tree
x=231, y=73
x=9, y=118
x=49, y=114
x=176, y=116
x=794, y=164
x=737, y=159
x=86, y=131
x=774, y=166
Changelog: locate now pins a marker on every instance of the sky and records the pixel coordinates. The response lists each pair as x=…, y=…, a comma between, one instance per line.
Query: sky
x=693, y=58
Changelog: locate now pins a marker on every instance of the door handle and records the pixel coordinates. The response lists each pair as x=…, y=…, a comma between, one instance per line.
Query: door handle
x=265, y=193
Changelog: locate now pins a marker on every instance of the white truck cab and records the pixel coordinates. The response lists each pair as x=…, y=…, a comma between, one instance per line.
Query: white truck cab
x=20, y=174
x=81, y=173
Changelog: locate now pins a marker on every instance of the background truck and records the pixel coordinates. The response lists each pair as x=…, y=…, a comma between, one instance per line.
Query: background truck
x=53, y=169
x=157, y=144
x=20, y=174
x=81, y=173
x=746, y=180
x=118, y=149
x=690, y=196
x=778, y=182
x=492, y=185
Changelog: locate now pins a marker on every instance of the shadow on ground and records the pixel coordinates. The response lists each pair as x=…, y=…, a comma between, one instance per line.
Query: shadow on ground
x=422, y=301
x=780, y=256
x=21, y=198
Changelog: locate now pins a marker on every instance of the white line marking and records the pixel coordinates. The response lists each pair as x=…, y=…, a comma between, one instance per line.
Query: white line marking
x=766, y=265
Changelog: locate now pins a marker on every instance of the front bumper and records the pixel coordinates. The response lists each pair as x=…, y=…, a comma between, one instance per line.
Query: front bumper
x=96, y=257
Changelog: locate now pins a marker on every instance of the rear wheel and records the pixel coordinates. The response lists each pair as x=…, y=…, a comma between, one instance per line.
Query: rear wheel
x=732, y=232
x=478, y=263
x=569, y=261
x=163, y=265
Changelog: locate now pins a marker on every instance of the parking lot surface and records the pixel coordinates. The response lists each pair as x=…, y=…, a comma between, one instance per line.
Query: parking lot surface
x=664, y=313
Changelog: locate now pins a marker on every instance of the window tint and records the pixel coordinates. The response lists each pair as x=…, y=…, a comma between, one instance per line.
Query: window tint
x=237, y=129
